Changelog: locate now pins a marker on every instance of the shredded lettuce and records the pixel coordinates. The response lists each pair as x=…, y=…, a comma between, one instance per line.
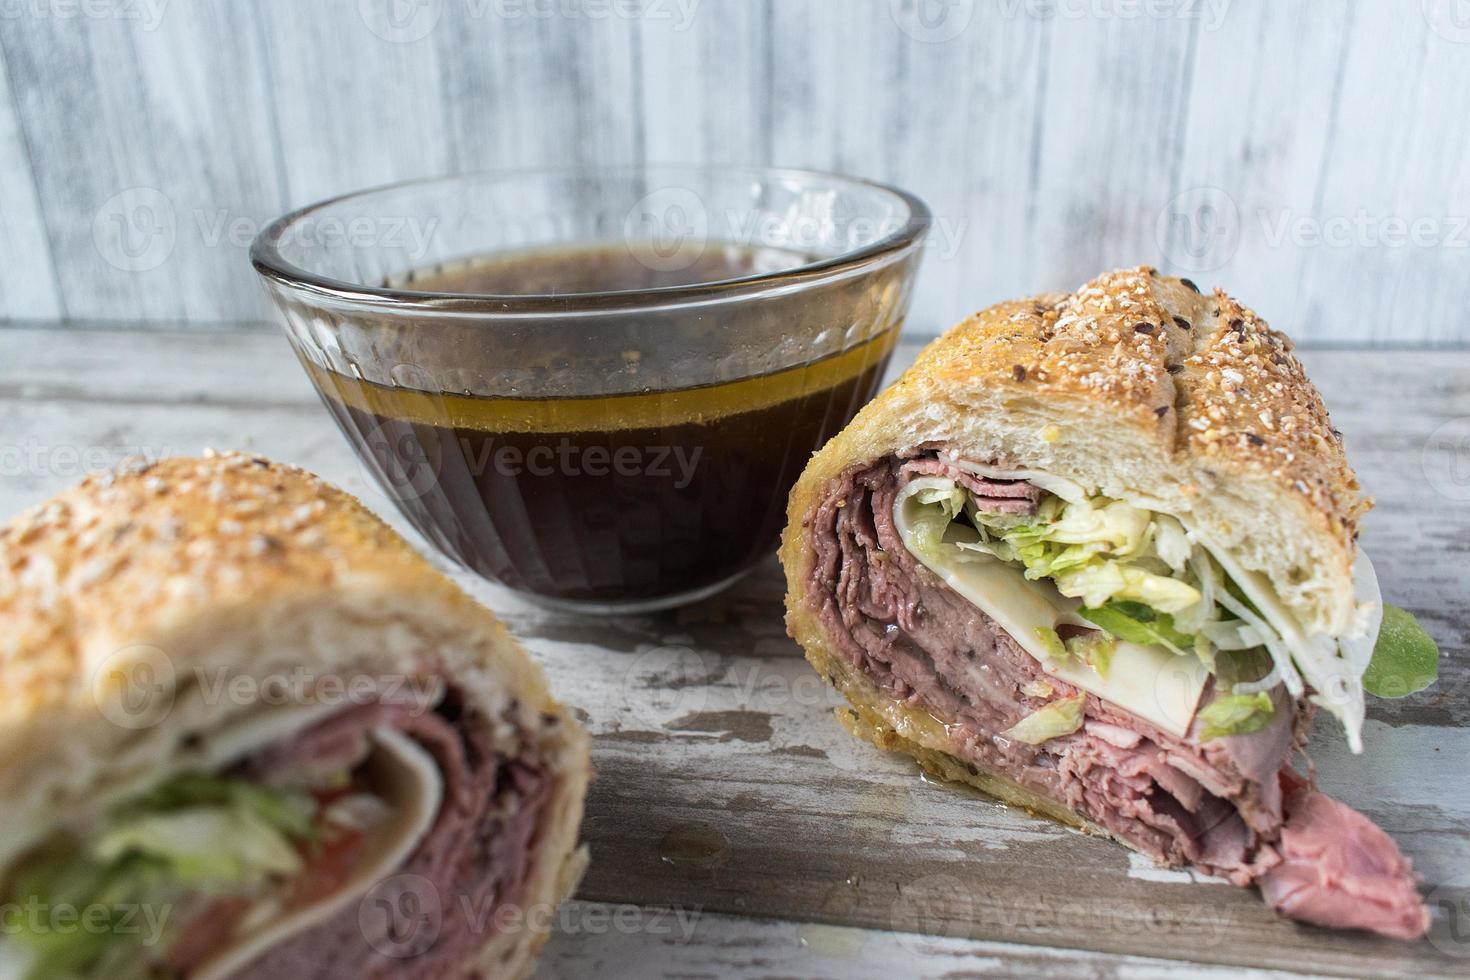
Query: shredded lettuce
x=1096, y=649
x=194, y=833
x=1137, y=623
x=1095, y=550
x=1059, y=718
x=1051, y=641
x=1101, y=581
x=951, y=499
x=1405, y=658
x=929, y=526
x=112, y=893
x=1235, y=714
x=1171, y=543
x=208, y=846
x=1119, y=528
x=290, y=812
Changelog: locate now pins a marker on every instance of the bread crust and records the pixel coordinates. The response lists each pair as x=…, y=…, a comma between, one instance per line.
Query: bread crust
x=236, y=563
x=1138, y=386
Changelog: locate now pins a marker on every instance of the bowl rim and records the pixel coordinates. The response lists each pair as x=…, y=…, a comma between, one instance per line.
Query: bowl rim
x=270, y=264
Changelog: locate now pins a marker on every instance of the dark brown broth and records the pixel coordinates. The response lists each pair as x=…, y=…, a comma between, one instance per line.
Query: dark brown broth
x=608, y=498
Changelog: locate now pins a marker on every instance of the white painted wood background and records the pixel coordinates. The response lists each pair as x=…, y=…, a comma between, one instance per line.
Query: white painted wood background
x=1311, y=156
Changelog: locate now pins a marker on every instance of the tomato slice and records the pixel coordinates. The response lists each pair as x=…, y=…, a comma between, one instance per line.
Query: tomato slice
x=329, y=862
x=206, y=932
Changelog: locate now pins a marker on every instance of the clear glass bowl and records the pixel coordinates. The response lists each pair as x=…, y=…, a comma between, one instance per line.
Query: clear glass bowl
x=608, y=412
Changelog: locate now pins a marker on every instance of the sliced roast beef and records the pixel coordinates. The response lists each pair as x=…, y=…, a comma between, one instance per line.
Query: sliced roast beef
x=475, y=857
x=992, y=496
x=1339, y=869
x=1217, y=805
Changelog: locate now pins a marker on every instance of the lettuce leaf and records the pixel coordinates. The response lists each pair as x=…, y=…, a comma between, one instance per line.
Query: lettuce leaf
x=64, y=881
x=1235, y=714
x=1051, y=641
x=194, y=833
x=1096, y=649
x=204, y=846
x=1405, y=658
x=1103, y=581
x=1055, y=720
x=951, y=499
x=1136, y=623
x=291, y=813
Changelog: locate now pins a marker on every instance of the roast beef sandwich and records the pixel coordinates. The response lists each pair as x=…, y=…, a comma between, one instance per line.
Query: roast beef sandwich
x=248, y=732
x=1095, y=554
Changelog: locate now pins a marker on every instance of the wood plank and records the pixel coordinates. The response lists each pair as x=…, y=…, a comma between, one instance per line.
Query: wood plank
x=149, y=137
x=635, y=942
x=536, y=89
x=1112, y=124
x=703, y=83
x=358, y=99
x=947, y=110
x=725, y=784
x=1397, y=159
x=27, y=275
x=1250, y=157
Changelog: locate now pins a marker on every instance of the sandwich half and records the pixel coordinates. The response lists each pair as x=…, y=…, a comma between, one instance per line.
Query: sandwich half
x=1095, y=554
x=249, y=732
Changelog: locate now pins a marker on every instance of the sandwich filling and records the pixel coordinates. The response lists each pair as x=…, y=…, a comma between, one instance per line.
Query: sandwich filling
x=1097, y=656
x=264, y=868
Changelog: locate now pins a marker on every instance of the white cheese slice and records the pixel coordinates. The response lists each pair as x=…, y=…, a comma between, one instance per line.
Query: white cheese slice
x=409, y=780
x=1150, y=682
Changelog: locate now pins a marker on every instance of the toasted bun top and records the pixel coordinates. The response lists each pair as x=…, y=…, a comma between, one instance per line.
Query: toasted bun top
x=1138, y=385
x=127, y=554
x=1213, y=379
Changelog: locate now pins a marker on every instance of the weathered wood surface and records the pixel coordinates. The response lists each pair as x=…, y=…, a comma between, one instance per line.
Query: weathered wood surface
x=725, y=788
x=1315, y=150
x=623, y=942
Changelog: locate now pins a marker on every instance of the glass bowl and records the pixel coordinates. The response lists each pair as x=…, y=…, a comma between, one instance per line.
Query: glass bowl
x=597, y=388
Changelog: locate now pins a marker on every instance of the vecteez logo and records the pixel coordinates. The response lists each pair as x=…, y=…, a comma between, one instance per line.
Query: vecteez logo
x=932, y=21
x=402, y=916
x=676, y=464
x=31, y=917
x=1449, y=931
x=135, y=230
x=1198, y=229
x=146, y=14
x=31, y=457
x=666, y=683
x=1450, y=19
x=408, y=235
x=394, y=461
x=134, y=687
x=1445, y=460
x=935, y=905
x=667, y=229
x=400, y=21
x=1209, y=13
